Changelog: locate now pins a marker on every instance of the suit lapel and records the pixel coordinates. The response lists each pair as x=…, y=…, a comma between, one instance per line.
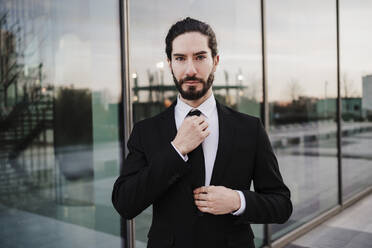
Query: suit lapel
x=169, y=129
x=225, y=144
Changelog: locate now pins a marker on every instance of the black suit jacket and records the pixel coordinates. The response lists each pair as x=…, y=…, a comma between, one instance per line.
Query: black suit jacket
x=154, y=173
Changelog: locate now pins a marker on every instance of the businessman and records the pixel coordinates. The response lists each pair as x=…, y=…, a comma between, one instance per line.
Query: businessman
x=195, y=161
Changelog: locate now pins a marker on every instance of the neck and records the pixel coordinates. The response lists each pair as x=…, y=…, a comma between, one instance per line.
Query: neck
x=196, y=103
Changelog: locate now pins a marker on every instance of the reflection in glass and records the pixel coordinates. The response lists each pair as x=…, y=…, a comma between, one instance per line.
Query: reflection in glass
x=356, y=96
x=237, y=79
x=302, y=93
x=59, y=150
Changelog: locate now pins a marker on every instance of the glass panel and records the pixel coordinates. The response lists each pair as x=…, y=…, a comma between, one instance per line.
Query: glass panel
x=59, y=149
x=356, y=93
x=302, y=92
x=237, y=79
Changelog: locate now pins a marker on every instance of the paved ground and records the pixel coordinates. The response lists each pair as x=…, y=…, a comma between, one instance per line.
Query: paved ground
x=352, y=228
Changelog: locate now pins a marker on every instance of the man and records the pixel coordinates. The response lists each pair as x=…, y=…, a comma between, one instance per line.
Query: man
x=195, y=161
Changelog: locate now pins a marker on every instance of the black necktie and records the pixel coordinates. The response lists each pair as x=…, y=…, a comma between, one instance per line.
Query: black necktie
x=197, y=175
x=196, y=160
x=194, y=112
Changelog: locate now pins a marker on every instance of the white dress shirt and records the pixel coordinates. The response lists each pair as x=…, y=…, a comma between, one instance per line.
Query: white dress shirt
x=210, y=144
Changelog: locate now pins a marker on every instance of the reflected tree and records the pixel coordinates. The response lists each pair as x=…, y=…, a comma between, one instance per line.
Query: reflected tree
x=295, y=90
x=347, y=86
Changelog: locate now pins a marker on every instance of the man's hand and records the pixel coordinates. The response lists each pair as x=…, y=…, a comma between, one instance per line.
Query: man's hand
x=216, y=200
x=192, y=133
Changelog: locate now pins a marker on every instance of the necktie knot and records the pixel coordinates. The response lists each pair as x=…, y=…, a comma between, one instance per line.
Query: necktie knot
x=194, y=112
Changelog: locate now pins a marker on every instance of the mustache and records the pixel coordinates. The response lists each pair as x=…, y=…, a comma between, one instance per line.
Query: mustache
x=192, y=78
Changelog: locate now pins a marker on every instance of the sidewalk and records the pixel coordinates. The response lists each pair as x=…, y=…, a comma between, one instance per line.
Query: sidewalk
x=352, y=228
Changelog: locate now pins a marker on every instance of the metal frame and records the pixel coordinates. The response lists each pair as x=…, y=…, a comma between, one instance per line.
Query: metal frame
x=127, y=228
x=265, y=109
x=339, y=108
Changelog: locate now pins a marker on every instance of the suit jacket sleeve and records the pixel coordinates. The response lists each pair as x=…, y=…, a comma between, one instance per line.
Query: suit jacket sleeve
x=145, y=178
x=270, y=203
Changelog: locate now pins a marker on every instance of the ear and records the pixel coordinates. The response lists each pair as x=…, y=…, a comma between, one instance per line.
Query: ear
x=169, y=64
x=216, y=60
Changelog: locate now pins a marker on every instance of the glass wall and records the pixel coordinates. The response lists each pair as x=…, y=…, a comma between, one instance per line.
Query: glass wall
x=238, y=81
x=59, y=149
x=302, y=93
x=356, y=93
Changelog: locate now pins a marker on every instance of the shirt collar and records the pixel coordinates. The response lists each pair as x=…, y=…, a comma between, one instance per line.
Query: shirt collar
x=206, y=107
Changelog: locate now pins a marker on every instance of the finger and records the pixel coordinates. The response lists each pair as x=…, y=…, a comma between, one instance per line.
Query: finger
x=201, y=197
x=206, y=189
x=191, y=117
x=205, y=133
x=204, y=126
x=201, y=203
x=200, y=119
x=205, y=209
x=199, y=190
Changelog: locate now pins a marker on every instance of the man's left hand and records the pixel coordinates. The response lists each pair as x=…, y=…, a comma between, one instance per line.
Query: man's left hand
x=216, y=200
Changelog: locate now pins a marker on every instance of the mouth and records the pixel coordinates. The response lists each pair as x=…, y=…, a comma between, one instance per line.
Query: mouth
x=191, y=82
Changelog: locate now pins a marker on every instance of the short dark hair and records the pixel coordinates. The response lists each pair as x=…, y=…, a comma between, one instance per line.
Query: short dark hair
x=190, y=25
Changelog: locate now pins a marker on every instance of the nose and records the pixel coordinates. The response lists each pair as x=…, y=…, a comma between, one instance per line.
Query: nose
x=190, y=69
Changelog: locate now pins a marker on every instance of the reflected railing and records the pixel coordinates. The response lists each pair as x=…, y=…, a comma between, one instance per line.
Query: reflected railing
x=25, y=117
x=155, y=95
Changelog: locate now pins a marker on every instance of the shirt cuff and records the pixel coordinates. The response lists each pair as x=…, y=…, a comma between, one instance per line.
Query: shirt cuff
x=183, y=157
x=242, y=204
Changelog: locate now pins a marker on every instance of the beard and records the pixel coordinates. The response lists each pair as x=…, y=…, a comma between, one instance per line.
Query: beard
x=191, y=93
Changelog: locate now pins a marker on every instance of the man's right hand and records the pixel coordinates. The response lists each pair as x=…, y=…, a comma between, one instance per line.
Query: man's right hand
x=191, y=134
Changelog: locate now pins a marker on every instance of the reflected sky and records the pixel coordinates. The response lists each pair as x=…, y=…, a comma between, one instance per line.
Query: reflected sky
x=301, y=47
x=78, y=41
x=355, y=42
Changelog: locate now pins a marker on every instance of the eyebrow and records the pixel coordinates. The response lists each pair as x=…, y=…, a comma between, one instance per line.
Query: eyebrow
x=200, y=53
x=195, y=54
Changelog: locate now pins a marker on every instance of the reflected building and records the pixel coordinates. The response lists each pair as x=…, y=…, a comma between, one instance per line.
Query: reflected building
x=367, y=97
x=351, y=108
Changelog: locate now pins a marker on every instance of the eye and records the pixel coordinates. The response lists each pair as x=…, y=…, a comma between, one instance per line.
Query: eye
x=200, y=57
x=179, y=59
